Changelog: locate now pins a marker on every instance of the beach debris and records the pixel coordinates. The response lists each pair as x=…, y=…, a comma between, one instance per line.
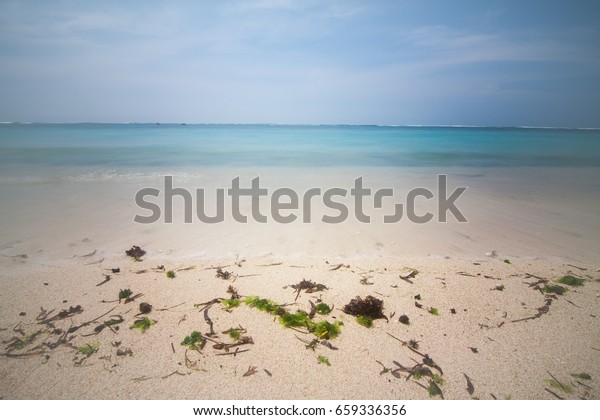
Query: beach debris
x=464, y=273
x=323, y=360
x=365, y=280
x=369, y=306
x=473, y=349
x=268, y=373
x=143, y=324
x=106, y=280
x=337, y=267
x=499, y=288
x=115, y=320
x=212, y=332
x=115, y=270
x=571, y=281
x=203, y=305
x=577, y=267
x=540, y=311
x=225, y=275
x=170, y=274
x=506, y=261
x=194, y=341
x=124, y=294
x=553, y=393
x=408, y=273
x=124, y=352
x=191, y=267
x=453, y=311
x=470, y=387
x=65, y=313
x=145, y=308
x=413, y=344
x=418, y=305
x=418, y=297
x=251, y=371
x=404, y=319
x=433, y=311
x=491, y=254
x=136, y=253
x=308, y=286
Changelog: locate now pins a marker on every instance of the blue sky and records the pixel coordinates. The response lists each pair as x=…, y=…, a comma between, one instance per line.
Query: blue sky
x=534, y=63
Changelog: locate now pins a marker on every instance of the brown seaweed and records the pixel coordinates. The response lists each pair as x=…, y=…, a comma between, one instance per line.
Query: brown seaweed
x=136, y=253
x=369, y=306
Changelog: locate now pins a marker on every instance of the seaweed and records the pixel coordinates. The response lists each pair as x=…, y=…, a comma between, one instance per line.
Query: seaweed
x=143, y=324
x=233, y=292
x=235, y=333
x=365, y=321
x=571, y=281
x=264, y=305
x=404, y=319
x=231, y=303
x=582, y=375
x=499, y=288
x=433, y=311
x=567, y=389
x=298, y=319
x=124, y=294
x=507, y=261
x=323, y=360
x=170, y=274
x=413, y=344
x=323, y=309
x=369, y=306
x=194, y=341
x=88, y=349
x=554, y=288
x=308, y=286
x=136, y=253
x=434, y=389
x=225, y=275
x=326, y=330
x=470, y=387
x=145, y=308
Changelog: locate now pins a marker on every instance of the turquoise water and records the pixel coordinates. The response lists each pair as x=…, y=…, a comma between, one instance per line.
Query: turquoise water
x=143, y=147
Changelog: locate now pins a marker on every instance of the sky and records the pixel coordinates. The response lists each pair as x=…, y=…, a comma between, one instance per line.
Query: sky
x=422, y=62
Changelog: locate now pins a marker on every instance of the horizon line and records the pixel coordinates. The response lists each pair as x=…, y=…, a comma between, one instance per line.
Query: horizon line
x=303, y=125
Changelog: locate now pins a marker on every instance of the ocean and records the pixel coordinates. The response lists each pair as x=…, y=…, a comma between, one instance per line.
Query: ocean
x=48, y=150
x=529, y=192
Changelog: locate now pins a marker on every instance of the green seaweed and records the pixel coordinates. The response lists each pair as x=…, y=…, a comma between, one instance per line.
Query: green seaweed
x=582, y=375
x=143, y=324
x=433, y=389
x=438, y=379
x=264, y=305
x=560, y=386
x=88, y=349
x=507, y=261
x=323, y=360
x=433, y=311
x=571, y=281
x=323, y=308
x=326, y=330
x=124, y=294
x=170, y=274
x=554, y=288
x=230, y=303
x=299, y=319
x=235, y=333
x=194, y=341
x=365, y=321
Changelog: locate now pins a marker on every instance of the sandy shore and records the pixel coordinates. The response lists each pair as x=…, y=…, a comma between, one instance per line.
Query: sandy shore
x=502, y=358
